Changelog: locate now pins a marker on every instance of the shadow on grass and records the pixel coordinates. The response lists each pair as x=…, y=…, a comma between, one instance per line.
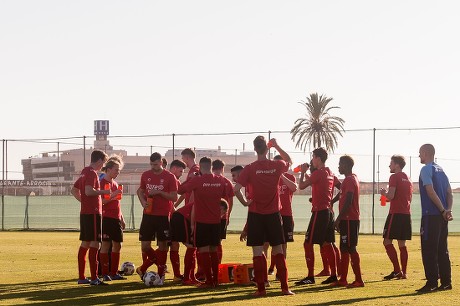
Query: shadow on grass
x=128, y=292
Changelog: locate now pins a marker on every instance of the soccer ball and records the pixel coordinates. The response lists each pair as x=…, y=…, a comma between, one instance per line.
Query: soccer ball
x=152, y=279
x=127, y=268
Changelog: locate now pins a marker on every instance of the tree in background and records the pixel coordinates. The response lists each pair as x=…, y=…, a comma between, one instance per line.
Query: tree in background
x=318, y=128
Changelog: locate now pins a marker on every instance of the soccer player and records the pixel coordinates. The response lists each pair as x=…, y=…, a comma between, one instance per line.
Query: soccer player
x=218, y=169
x=113, y=222
x=321, y=227
x=208, y=190
x=177, y=168
x=437, y=199
x=347, y=223
x=265, y=223
x=287, y=186
x=398, y=224
x=157, y=193
x=88, y=192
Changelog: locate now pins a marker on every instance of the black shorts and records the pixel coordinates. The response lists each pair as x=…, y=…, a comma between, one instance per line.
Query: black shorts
x=265, y=228
x=180, y=228
x=288, y=228
x=321, y=227
x=398, y=226
x=90, y=227
x=207, y=234
x=154, y=227
x=223, y=228
x=111, y=230
x=349, y=230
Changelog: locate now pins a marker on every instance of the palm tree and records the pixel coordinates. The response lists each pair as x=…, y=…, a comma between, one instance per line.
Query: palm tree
x=318, y=128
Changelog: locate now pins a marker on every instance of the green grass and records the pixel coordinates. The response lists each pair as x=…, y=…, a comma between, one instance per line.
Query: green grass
x=41, y=268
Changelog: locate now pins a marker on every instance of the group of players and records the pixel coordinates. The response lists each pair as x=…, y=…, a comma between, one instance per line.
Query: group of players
x=200, y=224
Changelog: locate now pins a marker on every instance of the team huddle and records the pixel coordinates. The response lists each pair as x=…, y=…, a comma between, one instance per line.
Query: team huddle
x=196, y=213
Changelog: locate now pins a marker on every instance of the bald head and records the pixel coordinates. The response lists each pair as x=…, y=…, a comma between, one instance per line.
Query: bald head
x=426, y=153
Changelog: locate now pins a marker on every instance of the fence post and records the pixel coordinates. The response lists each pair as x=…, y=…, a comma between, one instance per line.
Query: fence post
x=26, y=214
x=373, y=182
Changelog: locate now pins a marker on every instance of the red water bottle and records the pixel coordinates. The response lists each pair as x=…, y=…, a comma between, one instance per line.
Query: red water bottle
x=149, y=207
x=270, y=144
x=298, y=168
x=120, y=187
x=383, y=200
x=107, y=187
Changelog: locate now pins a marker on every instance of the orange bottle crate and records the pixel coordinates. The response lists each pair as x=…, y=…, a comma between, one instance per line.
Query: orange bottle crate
x=243, y=274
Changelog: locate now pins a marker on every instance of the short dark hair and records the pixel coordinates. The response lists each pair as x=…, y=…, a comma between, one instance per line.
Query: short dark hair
x=260, y=145
x=177, y=163
x=347, y=160
x=155, y=156
x=224, y=204
x=205, y=162
x=236, y=168
x=218, y=164
x=321, y=153
x=189, y=152
x=277, y=157
x=96, y=155
x=399, y=159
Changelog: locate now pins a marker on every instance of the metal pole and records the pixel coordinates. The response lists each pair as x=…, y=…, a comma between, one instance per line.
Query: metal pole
x=373, y=182
x=173, y=145
x=84, y=151
x=3, y=184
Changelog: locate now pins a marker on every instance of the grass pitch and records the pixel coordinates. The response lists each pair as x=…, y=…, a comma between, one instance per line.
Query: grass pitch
x=40, y=268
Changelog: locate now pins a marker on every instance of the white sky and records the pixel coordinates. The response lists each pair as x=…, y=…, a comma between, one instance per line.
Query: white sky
x=163, y=67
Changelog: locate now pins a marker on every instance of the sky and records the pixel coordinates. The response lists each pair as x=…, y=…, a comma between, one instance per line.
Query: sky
x=191, y=67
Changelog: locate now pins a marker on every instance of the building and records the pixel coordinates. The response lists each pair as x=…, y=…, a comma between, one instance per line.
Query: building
x=63, y=168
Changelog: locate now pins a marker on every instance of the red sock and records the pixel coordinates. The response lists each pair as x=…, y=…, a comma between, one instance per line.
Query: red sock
x=344, y=262
x=188, y=263
x=150, y=259
x=309, y=258
x=337, y=259
x=322, y=251
x=404, y=258
x=114, y=262
x=214, y=266
x=175, y=262
x=220, y=253
x=355, y=265
x=258, y=264
x=104, y=258
x=282, y=271
x=330, y=254
x=391, y=251
x=82, y=262
x=162, y=257
x=93, y=262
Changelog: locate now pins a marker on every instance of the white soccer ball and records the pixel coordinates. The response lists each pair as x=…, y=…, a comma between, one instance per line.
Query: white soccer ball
x=127, y=268
x=152, y=279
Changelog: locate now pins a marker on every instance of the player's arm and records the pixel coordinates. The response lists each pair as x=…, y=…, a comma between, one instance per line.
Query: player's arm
x=239, y=195
x=170, y=196
x=141, y=195
x=446, y=213
x=290, y=184
x=304, y=180
x=282, y=153
x=76, y=193
x=345, y=208
x=179, y=200
x=91, y=192
x=389, y=194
